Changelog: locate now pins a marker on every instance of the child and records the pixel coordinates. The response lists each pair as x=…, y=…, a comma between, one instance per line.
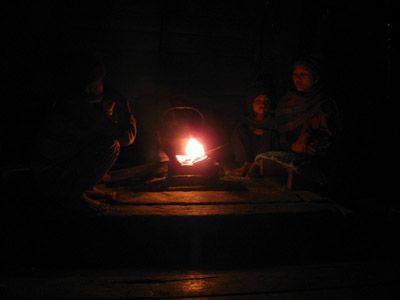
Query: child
x=254, y=135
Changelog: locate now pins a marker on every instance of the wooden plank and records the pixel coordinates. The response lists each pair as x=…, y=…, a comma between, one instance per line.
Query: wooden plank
x=207, y=197
x=212, y=209
x=363, y=280
x=256, y=196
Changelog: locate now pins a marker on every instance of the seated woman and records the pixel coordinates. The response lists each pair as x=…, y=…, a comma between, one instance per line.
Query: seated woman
x=307, y=121
x=254, y=134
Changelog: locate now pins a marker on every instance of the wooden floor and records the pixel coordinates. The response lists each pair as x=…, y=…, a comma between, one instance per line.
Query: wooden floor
x=345, y=281
x=238, y=238
x=227, y=195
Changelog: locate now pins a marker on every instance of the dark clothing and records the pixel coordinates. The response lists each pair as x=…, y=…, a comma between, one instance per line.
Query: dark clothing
x=313, y=118
x=246, y=144
x=65, y=180
x=124, y=125
x=313, y=114
x=78, y=144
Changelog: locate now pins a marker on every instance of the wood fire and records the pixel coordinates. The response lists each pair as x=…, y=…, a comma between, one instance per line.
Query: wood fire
x=194, y=153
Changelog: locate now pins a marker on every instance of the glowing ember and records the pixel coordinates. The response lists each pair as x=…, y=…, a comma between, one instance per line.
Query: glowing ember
x=194, y=153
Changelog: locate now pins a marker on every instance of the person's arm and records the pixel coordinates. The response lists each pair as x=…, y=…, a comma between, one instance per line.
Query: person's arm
x=128, y=133
x=124, y=124
x=316, y=135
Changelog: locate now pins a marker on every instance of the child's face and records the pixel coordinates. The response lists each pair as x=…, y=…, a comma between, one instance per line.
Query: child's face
x=261, y=105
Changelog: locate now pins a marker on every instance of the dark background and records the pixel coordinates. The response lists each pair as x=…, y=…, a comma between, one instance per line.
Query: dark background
x=206, y=54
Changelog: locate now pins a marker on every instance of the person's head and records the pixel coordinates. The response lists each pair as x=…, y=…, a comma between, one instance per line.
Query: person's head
x=261, y=105
x=306, y=73
x=95, y=87
x=260, y=98
x=84, y=74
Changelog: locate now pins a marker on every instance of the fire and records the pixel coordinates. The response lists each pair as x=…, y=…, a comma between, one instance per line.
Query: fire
x=194, y=153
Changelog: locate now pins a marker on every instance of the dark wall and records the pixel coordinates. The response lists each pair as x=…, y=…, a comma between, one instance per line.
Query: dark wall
x=204, y=54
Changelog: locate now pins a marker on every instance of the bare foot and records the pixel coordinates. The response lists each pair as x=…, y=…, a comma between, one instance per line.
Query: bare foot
x=242, y=170
x=106, y=177
x=98, y=194
x=92, y=205
x=253, y=170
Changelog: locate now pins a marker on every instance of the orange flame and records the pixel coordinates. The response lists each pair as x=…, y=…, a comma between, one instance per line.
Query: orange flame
x=194, y=153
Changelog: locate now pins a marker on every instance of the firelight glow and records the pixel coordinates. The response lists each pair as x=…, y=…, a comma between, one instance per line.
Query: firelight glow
x=194, y=153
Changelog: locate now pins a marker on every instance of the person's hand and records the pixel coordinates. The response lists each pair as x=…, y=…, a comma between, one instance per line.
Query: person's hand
x=259, y=131
x=300, y=147
x=132, y=119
